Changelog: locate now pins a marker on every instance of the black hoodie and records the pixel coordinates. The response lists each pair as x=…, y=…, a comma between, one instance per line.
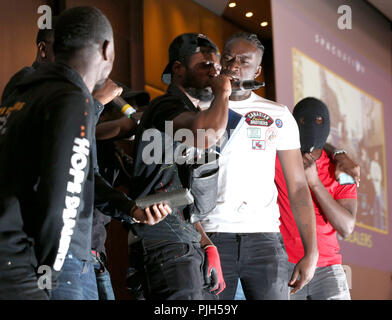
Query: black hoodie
x=46, y=172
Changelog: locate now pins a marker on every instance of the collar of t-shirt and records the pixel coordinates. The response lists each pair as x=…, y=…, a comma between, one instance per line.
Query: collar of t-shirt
x=238, y=104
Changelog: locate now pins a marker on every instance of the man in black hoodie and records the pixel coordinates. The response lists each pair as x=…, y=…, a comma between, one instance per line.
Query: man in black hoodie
x=46, y=173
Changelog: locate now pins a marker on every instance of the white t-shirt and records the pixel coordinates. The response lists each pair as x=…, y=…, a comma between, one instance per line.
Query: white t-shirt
x=247, y=195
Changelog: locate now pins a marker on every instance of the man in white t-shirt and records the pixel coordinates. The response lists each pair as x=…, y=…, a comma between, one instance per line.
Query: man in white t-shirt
x=245, y=223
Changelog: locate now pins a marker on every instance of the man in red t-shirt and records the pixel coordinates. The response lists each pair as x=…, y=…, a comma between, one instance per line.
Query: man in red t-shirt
x=335, y=206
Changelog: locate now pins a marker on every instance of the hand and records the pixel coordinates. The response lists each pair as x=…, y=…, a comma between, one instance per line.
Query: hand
x=221, y=85
x=305, y=268
x=137, y=116
x=160, y=212
x=213, y=273
x=107, y=92
x=310, y=168
x=345, y=164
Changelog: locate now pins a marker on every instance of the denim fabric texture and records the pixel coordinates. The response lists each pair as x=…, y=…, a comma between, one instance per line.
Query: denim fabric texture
x=171, y=271
x=328, y=283
x=259, y=260
x=76, y=281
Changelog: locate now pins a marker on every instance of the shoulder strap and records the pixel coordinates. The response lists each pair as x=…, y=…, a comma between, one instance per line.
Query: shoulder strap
x=232, y=123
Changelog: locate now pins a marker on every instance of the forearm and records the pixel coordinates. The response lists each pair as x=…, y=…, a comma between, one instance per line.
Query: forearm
x=329, y=149
x=303, y=212
x=205, y=240
x=112, y=202
x=300, y=200
x=213, y=120
x=339, y=217
x=120, y=128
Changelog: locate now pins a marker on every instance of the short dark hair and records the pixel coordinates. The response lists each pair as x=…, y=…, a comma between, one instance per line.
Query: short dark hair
x=78, y=27
x=251, y=37
x=44, y=35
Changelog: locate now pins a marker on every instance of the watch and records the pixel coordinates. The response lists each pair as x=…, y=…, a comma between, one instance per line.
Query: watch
x=131, y=116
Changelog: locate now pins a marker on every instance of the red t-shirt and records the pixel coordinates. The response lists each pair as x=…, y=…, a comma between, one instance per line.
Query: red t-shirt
x=327, y=241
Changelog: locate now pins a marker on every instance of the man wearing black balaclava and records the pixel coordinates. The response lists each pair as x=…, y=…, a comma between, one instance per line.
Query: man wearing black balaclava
x=312, y=117
x=335, y=206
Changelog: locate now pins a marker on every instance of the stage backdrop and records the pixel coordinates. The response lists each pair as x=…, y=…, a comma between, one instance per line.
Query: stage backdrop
x=350, y=71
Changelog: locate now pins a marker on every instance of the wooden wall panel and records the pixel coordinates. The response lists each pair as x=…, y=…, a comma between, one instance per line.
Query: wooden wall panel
x=118, y=14
x=18, y=31
x=163, y=21
x=166, y=19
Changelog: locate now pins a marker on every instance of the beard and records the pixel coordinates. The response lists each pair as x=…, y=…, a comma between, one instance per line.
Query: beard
x=204, y=95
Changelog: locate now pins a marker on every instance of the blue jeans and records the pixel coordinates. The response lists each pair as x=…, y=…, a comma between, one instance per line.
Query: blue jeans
x=104, y=284
x=76, y=281
x=258, y=259
x=239, y=294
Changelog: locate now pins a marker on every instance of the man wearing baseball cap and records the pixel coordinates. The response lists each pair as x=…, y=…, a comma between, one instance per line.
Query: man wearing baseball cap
x=176, y=259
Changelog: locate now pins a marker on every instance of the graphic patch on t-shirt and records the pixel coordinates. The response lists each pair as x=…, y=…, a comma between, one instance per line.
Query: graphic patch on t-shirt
x=254, y=132
x=279, y=123
x=257, y=118
x=270, y=136
x=258, y=144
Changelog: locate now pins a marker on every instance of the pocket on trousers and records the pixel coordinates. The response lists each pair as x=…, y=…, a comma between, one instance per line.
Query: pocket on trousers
x=173, y=252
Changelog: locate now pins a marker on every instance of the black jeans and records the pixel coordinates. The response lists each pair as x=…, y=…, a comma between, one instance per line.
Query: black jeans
x=259, y=260
x=20, y=283
x=170, y=271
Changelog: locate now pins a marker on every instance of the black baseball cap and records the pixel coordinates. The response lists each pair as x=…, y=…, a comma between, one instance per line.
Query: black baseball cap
x=184, y=46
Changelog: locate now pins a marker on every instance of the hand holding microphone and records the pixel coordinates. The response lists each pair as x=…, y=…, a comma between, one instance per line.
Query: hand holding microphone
x=242, y=85
x=124, y=106
x=107, y=92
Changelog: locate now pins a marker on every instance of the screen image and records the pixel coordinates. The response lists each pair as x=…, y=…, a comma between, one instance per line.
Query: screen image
x=357, y=126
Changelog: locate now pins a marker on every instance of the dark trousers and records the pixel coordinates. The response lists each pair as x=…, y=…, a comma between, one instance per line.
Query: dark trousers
x=170, y=271
x=259, y=260
x=20, y=283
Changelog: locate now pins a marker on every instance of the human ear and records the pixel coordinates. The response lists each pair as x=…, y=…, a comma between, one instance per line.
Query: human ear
x=105, y=50
x=178, y=69
x=42, y=49
x=258, y=72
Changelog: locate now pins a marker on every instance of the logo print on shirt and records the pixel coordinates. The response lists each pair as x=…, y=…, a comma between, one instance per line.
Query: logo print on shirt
x=254, y=132
x=258, y=144
x=279, y=123
x=257, y=118
x=270, y=136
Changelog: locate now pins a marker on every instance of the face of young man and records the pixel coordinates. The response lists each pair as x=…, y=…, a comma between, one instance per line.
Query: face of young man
x=201, y=67
x=199, y=70
x=106, y=56
x=241, y=59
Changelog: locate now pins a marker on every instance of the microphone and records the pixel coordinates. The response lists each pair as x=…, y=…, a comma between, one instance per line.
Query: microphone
x=246, y=85
x=124, y=106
